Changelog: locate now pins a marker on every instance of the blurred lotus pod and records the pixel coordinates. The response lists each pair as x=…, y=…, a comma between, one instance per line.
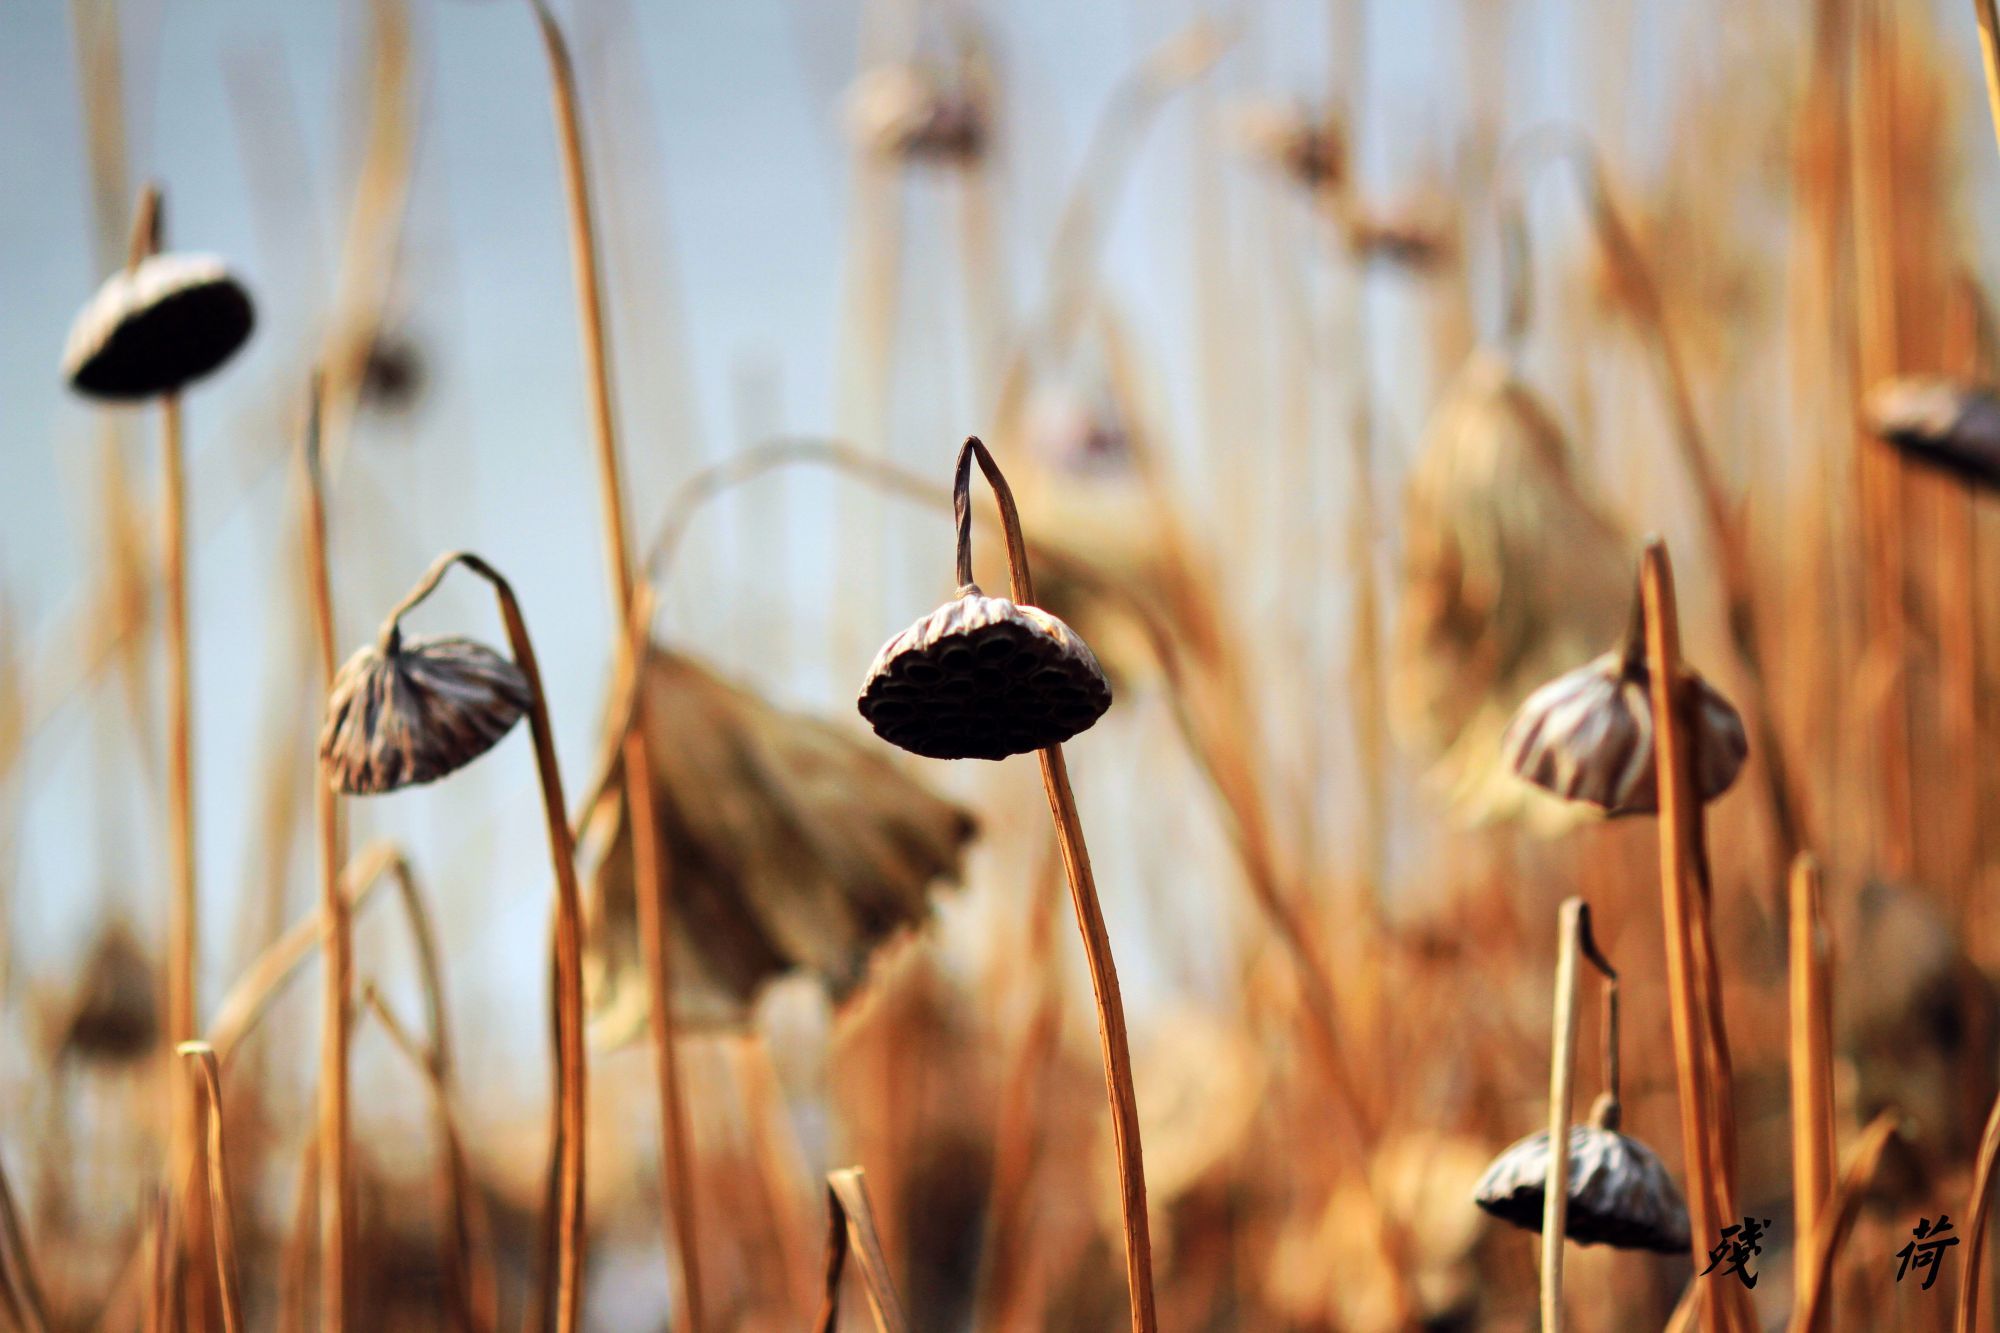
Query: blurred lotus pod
x=895, y=111
x=393, y=373
x=1327, y=1268
x=1922, y=1035
x=1511, y=572
x=983, y=678
x=1312, y=150
x=1588, y=736
x=1940, y=422
x=157, y=327
x=411, y=711
x=114, y=1017
x=792, y=847
x=1413, y=242
x=1619, y=1191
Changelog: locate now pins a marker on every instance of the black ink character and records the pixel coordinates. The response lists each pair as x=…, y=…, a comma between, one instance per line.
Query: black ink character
x=1930, y=1254
x=1737, y=1245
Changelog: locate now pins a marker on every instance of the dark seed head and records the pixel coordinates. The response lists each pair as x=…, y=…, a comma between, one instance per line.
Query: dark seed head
x=156, y=328
x=415, y=711
x=1619, y=1191
x=983, y=678
x=1941, y=422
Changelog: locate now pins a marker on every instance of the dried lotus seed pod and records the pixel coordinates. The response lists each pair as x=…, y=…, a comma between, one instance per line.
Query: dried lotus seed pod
x=403, y=712
x=1587, y=736
x=1619, y=1191
x=157, y=327
x=983, y=678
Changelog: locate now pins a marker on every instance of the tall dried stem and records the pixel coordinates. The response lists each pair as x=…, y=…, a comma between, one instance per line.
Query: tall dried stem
x=1089, y=914
x=1684, y=904
x=1573, y=922
x=851, y=1229
x=335, y=1224
x=222, y=1226
x=649, y=866
x=568, y=1132
x=1812, y=1062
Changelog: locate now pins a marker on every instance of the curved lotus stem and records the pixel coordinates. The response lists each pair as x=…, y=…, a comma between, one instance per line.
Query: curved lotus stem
x=222, y=1227
x=569, y=1036
x=1083, y=892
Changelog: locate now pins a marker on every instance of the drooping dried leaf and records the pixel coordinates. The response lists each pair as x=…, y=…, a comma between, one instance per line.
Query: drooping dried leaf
x=424, y=708
x=790, y=846
x=1511, y=573
x=983, y=678
x=157, y=327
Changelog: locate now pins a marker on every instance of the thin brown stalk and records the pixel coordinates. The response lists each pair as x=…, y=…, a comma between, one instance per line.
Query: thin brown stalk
x=1573, y=921
x=1989, y=58
x=1814, y=1310
x=1812, y=1062
x=184, y=1147
x=853, y=1214
x=335, y=1224
x=828, y=1320
x=649, y=866
x=295, y=1264
x=1089, y=915
x=223, y=1230
x=1679, y=816
x=163, y=1264
x=569, y=1128
x=471, y=1281
x=23, y=1290
x=1975, y=1234
x=250, y=998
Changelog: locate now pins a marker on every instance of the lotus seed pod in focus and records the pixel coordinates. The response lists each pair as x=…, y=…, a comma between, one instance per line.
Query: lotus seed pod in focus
x=157, y=327
x=1588, y=736
x=403, y=712
x=983, y=678
x=1943, y=423
x=1619, y=1191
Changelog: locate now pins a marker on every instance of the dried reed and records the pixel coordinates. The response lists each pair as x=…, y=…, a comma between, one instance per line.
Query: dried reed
x=223, y=1228
x=569, y=1128
x=1700, y=1059
x=851, y=1227
x=1812, y=1063
x=20, y=1288
x=649, y=866
x=1573, y=924
x=1814, y=1310
x=1967, y=1318
x=335, y=1225
x=1089, y=915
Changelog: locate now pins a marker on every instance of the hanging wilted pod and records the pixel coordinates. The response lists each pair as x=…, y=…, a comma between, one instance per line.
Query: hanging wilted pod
x=1311, y=149
x=982, y=678
x=1941, y=422
x=1619, y=1191
x=156, y=327
x=407, y=711
x=1588, y=736
x=897, y=111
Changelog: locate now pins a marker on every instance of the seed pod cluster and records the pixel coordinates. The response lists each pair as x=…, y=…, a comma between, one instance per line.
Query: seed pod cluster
x=157, y=327
x=983, y=678
x=404, y=712
x=1619, y=1191
x=1588, y=736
